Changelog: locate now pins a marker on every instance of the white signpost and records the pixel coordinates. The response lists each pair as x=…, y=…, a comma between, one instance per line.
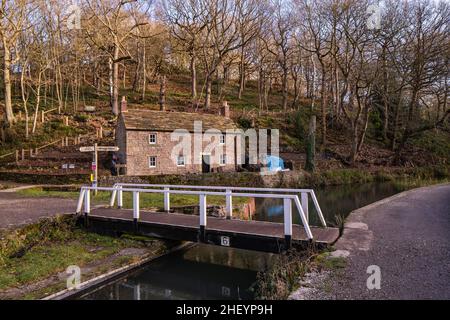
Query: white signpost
x=95, y=149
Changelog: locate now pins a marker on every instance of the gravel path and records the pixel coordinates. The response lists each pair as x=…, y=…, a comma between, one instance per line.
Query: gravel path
x=408, y=237
x=17, y=210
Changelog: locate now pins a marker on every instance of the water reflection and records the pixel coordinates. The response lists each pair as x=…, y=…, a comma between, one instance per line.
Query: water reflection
x=202, y=272
x=333, y=200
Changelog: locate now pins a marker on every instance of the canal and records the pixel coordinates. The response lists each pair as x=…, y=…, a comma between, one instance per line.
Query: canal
x=210, y=272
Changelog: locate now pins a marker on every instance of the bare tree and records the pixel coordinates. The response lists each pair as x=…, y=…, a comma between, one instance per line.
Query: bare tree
x=12, y=17
x=119, y=20
x=187, y=20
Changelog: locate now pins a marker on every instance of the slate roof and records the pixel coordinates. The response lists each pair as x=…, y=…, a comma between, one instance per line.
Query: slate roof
x=151, y=120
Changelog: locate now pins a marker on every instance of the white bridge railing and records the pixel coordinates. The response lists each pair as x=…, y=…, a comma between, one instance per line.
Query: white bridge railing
x=289, y=197
x=304, y=195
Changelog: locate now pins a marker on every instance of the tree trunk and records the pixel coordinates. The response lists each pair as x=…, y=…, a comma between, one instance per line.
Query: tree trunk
x=115, y=82
x=296, y=91
x=7, y=82
x=241, y=74
x=324, y=103
x=285, y=88
x=38, y=101
x=193, y=77
x=24, y=99
x=208, y=92
x=162, y=94
x=311, y=145
x=354, y=143
x=144, y=72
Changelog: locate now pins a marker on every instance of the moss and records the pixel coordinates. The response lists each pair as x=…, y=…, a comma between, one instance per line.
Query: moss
x=325, y=261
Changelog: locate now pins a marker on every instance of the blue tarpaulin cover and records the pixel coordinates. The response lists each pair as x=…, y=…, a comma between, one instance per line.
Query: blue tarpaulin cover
x=274, y=163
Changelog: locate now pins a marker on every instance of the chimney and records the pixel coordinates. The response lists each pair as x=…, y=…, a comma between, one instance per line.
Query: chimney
x=225, y=110
x=123, y=105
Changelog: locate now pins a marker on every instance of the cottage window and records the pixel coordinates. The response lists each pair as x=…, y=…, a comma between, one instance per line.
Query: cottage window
x=222, y=139
x=152, y=162
x=152, y=138
x=223, y=159
x=181, y=162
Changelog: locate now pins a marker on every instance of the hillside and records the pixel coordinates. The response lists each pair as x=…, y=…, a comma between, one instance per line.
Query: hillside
x=431, y=148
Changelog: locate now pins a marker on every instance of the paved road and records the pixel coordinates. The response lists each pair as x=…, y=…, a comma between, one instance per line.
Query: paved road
x=408, y=237
x=16, y=210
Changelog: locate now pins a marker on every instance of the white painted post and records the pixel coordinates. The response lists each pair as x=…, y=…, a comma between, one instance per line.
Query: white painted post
x=120, y=198
x=288, y=221
x=302, y=216
x=202, y=213
x=229, y=204
x=305, y=205
x=113, y=196
x=87, y=202
x=80, y=200
x=137, y=292
x=166, y=199
x=319, y=211
x=135, y=206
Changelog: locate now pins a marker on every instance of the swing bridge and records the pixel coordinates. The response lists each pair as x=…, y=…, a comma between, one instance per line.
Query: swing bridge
x=229, y=231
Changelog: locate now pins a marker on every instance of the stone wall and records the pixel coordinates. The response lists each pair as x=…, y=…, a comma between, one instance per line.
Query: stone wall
x=289, y=179
x=138, y=151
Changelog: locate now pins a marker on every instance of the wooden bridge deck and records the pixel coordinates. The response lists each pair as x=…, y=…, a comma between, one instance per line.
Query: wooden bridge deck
x=253, y=235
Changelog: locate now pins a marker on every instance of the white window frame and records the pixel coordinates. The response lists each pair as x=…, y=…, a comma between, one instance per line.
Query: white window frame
x=222, y=139
x=223, y=159
x=178, y=161
x=150, y=138
x=150, y=162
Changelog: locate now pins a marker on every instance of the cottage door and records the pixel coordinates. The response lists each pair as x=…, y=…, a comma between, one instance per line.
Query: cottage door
x=206, y=163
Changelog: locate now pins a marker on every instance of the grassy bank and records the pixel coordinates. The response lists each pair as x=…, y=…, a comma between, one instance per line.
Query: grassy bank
x=352, y=176
x=282, y=277
x=291, y=271
x=147, y=200
x=33, y=259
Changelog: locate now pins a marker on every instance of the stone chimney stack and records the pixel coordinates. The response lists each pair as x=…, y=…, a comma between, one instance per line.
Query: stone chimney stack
x=123, y=105
x=225, y=110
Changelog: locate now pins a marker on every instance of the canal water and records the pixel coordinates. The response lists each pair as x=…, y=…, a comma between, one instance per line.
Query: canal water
x=211, y=272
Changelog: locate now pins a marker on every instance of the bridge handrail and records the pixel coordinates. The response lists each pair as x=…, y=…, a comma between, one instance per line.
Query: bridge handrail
x=84, y=198
x=303, y=192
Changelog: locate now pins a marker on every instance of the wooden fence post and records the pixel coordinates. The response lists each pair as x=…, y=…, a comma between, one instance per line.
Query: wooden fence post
x=23, y=154
x=42, y=116
x=17, y=156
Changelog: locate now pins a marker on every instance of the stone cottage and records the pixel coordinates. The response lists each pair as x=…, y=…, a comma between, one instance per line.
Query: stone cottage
x=149, y=142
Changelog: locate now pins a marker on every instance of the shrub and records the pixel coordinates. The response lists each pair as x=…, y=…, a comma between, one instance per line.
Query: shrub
x=81, y=117
x=244, y=123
